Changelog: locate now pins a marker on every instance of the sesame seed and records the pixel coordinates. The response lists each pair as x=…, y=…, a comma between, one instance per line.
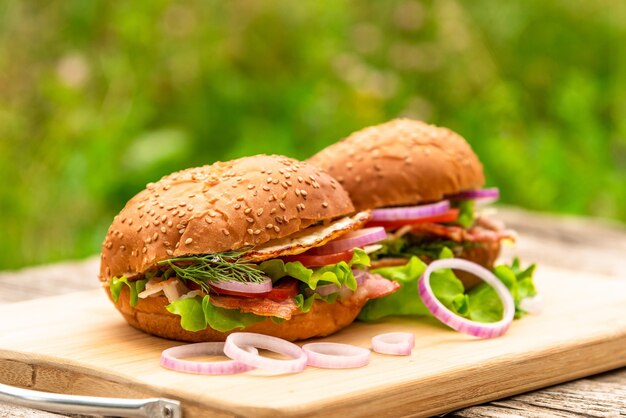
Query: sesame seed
x=130, y=221
x=269, y=172
x=250, y=231
x=272, y=211
x=257, y=232
x=181, y=214
x=163, y=229
x=300, y=179
x=166, y=187
x=169, y=252
x=250, y=220
x=163, y=218
x=275, y=181
x=182, y=203
x=282, y=206
x=269, y=180
x=324, y=204
x=133, y=253
x=169, y=223
x=190, y=208
x=276, y=228
x=208, y=220
x=285, y=219
x=144, y=250
x=122, y=247
x=177, y=245
x=167, y=243
x=188, y=241
x=269, y=226
x=121, y=235
x=240, y=198
x=155, y=236
x=141, y=205
x=225, y=232
x=247, y=211
x=192, y=195
x=148, y=240
x=140, y=228
x=146, y=224
x=349, y=165
x=307, y=181
x=267, y=189
x=156, y=222
x=284, y=184
x=124, y=220
x=250, y=186
x=161, y=205
x=174, y=213
x=303, y=193
x=289, y=183
x=298, y=192
x=283, y=196
x=271, y=198
x=259, y=212
x=287, y=175
x=181, y=231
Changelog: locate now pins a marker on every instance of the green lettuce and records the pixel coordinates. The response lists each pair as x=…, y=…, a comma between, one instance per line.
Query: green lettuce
x=480, y=303
x=339, y=274
x=198, y=313
x=305, y=303
x=135, y=287
x=466, y=213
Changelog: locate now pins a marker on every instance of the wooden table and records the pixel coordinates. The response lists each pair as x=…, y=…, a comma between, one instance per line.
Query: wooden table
x=576, y=243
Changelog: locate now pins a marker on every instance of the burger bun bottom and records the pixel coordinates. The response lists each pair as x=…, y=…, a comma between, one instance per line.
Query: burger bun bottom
x=151, y=316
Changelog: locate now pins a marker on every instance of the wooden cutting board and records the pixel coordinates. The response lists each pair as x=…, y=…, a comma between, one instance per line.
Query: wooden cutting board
x=78, y=343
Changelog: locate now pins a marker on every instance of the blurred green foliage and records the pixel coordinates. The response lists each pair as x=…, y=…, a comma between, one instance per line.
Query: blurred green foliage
x=98, y=98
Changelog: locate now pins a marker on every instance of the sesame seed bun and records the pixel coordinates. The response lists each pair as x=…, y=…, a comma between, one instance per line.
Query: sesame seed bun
x=401, y=162
x=219, y=207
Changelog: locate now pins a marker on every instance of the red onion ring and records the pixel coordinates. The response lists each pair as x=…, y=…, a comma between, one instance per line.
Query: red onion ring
x=172, y=359
x=263, y=287
x=351, y=240
x=235, y=349
x=336, y=355
x=477, y=329
x=394, y=343
x=410, y=212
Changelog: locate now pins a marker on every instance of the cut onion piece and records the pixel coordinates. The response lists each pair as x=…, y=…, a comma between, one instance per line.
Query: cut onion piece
x=482, y=196
x=263, y=287
x=410, y=212
x=336, y=355
x=395, y=343
x=237, y=342
x=368, y=249
x=172, y=359
x=439, y=311
x=358, y=238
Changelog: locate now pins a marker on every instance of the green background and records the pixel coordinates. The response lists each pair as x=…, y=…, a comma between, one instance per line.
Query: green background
x=98, y=98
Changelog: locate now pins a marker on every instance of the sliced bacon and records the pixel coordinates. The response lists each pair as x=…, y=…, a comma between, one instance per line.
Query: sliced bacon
x=374, y=286
x=483, y=231
x=264, y=307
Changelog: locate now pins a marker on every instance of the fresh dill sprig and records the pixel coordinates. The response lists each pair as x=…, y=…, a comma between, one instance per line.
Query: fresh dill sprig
x=218, y=267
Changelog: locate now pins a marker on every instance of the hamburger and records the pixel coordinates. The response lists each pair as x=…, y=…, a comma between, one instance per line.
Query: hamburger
x=422, y=183
x=225, y=247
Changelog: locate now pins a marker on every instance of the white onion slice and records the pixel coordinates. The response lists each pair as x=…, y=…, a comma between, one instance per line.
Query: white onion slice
x=172, y=359
x=263, y=287
x=351, y=240
x=394, y=343
x=368, y=249
x=477, y=329
x=235, y=349
x=336, y=355
x=410, y=212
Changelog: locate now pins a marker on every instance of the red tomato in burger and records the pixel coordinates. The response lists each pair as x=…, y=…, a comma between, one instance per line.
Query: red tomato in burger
x=450, y=216
x=285, y=289
x=315, y=260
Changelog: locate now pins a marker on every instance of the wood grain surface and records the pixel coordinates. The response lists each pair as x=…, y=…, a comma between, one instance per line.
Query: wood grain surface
x=552, y=241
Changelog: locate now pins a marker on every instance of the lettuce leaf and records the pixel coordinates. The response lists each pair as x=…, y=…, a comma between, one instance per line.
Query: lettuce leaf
x=466, y=213
x=480, y=303
x=306, y=303
x=135, y=287
x=198, y=313
x=339, y=274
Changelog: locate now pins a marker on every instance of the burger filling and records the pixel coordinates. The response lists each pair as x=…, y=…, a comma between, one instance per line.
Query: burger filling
x=418, y=235
x=234, y=290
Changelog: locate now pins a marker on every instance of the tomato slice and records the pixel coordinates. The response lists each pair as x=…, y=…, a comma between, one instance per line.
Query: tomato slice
x=450, y=216
x=315, y=260
x=285, y=289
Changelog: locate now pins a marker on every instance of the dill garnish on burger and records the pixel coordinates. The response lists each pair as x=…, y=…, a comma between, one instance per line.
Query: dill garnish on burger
x=262, y=244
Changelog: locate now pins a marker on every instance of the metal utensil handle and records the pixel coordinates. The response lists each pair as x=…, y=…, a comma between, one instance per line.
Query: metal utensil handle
x=74, y=404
